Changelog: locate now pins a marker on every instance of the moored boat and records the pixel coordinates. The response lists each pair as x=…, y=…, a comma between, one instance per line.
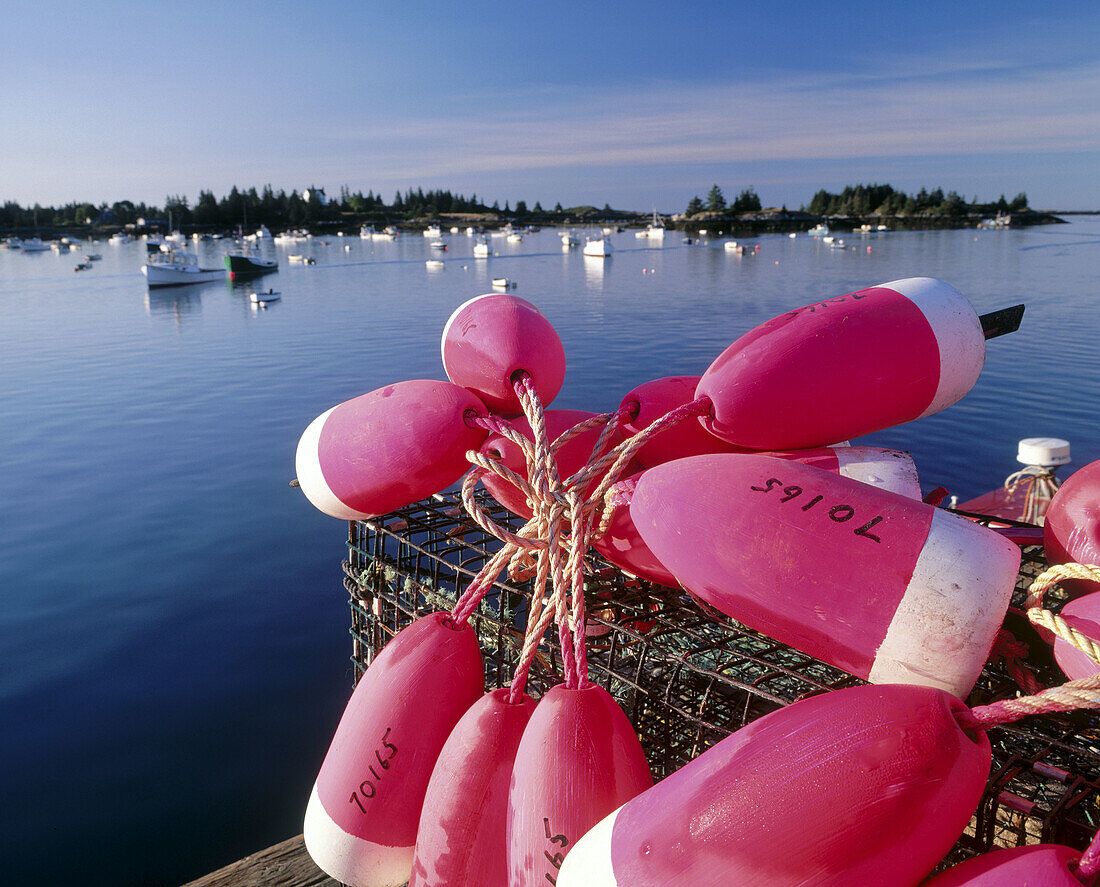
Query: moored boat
x=248, y=263
x=599, y=247
x=176, y=267
x=34, y=245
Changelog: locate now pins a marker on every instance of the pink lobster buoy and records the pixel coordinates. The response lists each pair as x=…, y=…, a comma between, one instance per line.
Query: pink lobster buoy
x=361, y=821
x=491, y=338
x=846, y=366
x=1071, y=532
x=890, y=470
x=654, y=399
x=869, y=785
x=886, y=588
x=622, y=545
x=571, y=457
x=1037, y=865
x=1083, y=614
x=462, y=839
x=579, y=759
x=389, y=448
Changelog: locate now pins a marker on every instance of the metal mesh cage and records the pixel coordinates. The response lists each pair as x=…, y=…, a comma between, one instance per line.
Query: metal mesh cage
x=687, y=676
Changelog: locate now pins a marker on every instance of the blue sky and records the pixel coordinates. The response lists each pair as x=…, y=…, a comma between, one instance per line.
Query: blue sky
x=636, y=104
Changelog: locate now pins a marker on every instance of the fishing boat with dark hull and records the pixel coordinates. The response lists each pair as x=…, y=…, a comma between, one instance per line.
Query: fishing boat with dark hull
x=248, y=263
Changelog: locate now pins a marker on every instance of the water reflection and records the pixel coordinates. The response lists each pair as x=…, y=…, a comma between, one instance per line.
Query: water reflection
x=178, y=302
x=594, y=269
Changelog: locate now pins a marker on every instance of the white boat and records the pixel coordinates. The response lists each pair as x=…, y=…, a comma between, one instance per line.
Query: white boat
x=434, y=264
x=176, y=237
x=515, y=237
x=569, y=239
x=470, y=232
x=176, y=267
x=433, y=231
x=438, y=244
x=388, y=234
x=13, y=243
x=59, y=246
x=655, y=230
x=828, y=239
x=264, y=298
x=481, y=249
x=793, y=235
x=598, y=247
x=366, y=232
x=503, y=283
x=119, y=238
x=34, y=245
x=296, y=259
x=836, y=243
x=818, y=230
x=732, y=246
x=454, y=229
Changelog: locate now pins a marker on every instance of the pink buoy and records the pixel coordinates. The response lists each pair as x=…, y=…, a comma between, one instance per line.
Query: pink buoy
x=1071, y=532
x=1037, y=865
x=579, y=759
x=886, y=588
x=622, y=545
x=389, y=448
x=652, y=400
x=491, y=338
x=570, y=457
x=890, y=470
x=869, y=785
x=361, y=822
x=1082, y=614
x=462, y=839
x=846, y=366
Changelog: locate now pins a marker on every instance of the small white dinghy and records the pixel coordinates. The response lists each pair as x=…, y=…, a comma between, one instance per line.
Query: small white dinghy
x=264, y=298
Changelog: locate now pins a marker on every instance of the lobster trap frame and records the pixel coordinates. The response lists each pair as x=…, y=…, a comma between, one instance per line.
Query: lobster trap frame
x=688, y=676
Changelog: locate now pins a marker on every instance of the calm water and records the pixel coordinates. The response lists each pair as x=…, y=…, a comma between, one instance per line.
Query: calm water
x=173, y=624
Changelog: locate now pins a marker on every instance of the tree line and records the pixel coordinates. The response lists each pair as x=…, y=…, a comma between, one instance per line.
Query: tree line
x=275, y=209
x=866, y=200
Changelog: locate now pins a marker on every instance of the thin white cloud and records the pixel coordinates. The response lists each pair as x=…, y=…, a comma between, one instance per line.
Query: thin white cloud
x=933, y=110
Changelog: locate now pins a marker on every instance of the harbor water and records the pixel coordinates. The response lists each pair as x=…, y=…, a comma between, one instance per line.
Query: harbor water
x=173, y=622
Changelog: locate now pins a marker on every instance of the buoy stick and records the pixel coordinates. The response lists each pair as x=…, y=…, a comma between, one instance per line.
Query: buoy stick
x=1089, y=865
x=1001, y=323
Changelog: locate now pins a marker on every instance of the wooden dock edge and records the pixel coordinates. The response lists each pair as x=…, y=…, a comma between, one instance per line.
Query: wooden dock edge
x=284, y=865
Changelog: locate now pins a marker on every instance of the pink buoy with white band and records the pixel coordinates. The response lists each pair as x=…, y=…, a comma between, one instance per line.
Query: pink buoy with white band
x=462, y=838
x=361, y=820
x=491, y=338
x=579, y=759
x=886, y=588
x=389, y=448
x=845, y=367
x=868, y=785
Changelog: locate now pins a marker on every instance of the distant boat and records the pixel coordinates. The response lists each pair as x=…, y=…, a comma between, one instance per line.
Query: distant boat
x=732, y=246
x=59, y=246
x=503, y=283
x=246, y=262
x=94, y=257
x=434, y=264
x=818, y=230
x=655, y=230
x=366, y=232
x=515, y=237
x=438, y=244
x=599, y=247
x=433, y=231
x=264, y=298
x=569, y=239
x=119, y=238
x=481, y=249
x=13, y=243
x=34, y=245
x=176, y=267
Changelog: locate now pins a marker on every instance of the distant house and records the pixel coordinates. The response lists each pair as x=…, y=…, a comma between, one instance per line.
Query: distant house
x=317, y=194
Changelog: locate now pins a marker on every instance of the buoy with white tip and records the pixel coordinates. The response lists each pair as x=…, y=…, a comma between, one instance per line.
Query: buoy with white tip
x=389, y=448
x=579, y=759
x=868, y=785
x=462, y=838
x=361, y=821
x=887, y=588
x=846, y=366
x=1071, y=532
x=489, y=339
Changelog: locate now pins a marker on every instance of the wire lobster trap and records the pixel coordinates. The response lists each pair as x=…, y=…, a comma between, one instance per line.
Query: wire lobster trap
x=687, y=676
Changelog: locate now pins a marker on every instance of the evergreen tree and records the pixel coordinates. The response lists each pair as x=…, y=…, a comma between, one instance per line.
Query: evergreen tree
x=716, y=203
x=695, y=205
